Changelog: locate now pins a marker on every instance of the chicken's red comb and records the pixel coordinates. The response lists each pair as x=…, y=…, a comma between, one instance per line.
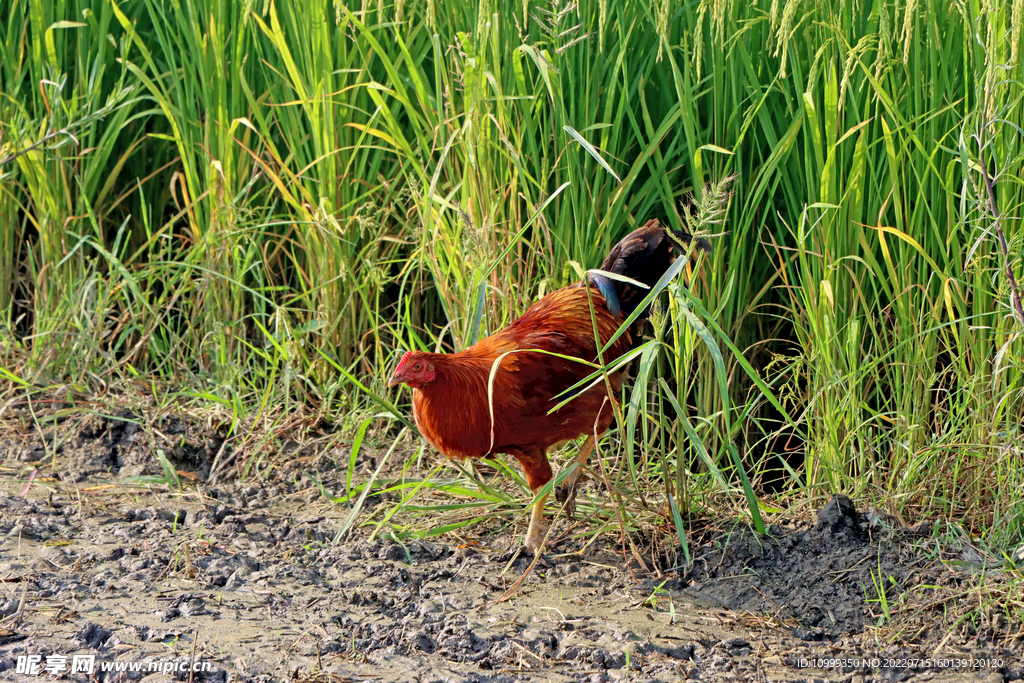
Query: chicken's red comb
x=401, y=363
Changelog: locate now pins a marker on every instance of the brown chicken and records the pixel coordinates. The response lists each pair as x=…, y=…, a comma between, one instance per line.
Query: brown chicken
x=450, y=391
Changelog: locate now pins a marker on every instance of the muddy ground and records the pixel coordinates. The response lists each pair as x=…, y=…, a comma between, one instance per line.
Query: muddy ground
x=247, y=579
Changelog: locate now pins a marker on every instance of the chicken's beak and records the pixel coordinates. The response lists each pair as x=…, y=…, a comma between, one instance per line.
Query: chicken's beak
x=396, y=380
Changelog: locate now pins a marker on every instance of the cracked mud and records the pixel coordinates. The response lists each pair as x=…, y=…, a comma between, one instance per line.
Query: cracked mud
x=247, y=577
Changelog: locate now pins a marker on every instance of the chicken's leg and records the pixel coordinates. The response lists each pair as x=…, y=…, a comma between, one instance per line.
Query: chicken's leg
x=538, y=473
x=566, y=493
x=535, y=532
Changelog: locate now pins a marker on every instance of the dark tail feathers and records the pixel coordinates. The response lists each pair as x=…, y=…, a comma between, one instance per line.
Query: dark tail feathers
x=643, y=255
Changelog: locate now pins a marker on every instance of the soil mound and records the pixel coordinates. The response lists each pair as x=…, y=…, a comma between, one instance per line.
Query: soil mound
x=828, y=580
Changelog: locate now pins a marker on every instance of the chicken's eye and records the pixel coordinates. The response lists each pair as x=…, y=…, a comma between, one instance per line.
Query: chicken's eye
x=417, y=367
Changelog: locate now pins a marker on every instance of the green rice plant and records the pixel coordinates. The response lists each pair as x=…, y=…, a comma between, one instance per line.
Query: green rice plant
x=892, y=279
x=489, y=147
x=331, y=173
x=9, y=238
x=193, y=59
x=65, y=105
x=458, y=167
